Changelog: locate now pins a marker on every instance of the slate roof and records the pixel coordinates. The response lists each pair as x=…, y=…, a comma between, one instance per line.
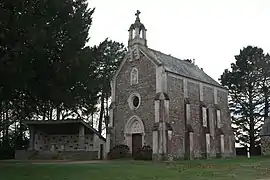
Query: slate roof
x=183, y=68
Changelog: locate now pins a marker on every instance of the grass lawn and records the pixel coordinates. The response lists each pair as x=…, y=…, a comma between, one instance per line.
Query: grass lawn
x=240, y=168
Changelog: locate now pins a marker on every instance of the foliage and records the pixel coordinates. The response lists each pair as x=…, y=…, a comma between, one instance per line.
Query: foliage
x=40, y=45
x=119, y=151
x=248, y=84
x=109, y=55
x=46, y=71
x=15, y=139
x=7, y=153
x=144, y=153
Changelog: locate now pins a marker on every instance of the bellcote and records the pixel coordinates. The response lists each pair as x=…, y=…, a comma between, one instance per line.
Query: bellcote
x=137, y=32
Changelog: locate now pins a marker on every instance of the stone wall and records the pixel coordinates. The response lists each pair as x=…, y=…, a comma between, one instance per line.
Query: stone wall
x=62, y=142
x=193, y=90
x=24, y=154
x=176, y=115
x=79, y=155
x=146, y=89
x=56, y=155
x=208, y=99
x=229, y=140
x=64, y=146
x=198, y=95
x=97, y=142
x=265, y=145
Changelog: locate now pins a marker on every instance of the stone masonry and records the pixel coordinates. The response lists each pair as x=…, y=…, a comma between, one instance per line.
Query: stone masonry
x=146, y=89
x=62, y=142
x=72, y=138
x=265, y=137
x=172, y=104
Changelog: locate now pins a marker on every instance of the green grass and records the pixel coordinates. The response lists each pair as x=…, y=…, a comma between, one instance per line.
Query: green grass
x=240, y=168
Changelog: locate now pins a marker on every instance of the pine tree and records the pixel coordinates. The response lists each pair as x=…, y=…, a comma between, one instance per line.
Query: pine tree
x=109, y=56
x=244, y=84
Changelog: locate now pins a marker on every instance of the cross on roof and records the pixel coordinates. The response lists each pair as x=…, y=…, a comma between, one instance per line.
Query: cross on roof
x=137, y=13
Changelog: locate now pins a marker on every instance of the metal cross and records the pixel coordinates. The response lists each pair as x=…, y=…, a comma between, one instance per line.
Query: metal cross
x=137, y=13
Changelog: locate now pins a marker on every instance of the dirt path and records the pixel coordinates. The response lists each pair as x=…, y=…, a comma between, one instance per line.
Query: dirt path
x=51, y=162
x=71, y=162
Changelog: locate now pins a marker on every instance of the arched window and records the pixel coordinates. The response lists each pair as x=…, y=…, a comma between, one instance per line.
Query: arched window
x=134, y=76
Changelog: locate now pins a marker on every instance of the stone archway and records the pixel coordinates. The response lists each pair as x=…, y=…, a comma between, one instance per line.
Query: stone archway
x=134, y=133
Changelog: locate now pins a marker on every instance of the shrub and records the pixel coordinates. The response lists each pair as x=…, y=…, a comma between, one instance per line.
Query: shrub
x=145, y=153
x=119, y=151
x=7, y=153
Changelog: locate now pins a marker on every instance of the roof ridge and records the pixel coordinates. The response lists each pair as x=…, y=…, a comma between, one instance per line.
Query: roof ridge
x=184, y=60
x=165, y=54
x=183, y=67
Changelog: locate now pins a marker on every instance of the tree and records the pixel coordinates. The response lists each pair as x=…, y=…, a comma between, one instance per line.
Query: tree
x=263, y=65
x=41, y=44
x=109, y=55
x=247, y=82
x=45, y=67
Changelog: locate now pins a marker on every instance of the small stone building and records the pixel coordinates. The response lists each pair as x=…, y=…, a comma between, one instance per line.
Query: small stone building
x=265, y=137
x=167, y=103
x=65, y=139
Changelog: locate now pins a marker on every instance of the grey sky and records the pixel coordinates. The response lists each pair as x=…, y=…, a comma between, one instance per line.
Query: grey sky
x=210, y=31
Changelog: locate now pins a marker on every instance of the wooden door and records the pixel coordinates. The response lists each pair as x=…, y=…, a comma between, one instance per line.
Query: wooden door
x=136, y=143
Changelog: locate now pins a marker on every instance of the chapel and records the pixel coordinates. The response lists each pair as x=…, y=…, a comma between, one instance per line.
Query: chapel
x=167, y=103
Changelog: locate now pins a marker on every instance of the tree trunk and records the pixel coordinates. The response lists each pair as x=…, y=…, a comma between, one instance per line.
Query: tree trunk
x=51, y=114
x=251, y=123
x=1, y=116
x=266, y=105
x=16, y=144
x=20, y=135
x=58, y=112
x=252, y=137
x=107, y=105
x=6, y=123
x=44, y=114
x=107, y=109
x=101, y=113
x=92, y=121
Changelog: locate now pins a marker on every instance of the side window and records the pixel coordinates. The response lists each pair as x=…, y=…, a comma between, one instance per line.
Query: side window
x=134, y=76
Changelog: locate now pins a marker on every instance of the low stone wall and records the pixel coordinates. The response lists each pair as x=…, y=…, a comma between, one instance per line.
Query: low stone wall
x=78, y=155
x=46, y=155
x=265, y=145
x=56, y=155
x=24, y=154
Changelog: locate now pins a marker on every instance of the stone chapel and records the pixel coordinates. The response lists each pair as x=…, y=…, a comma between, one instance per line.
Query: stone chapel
x=167, y=103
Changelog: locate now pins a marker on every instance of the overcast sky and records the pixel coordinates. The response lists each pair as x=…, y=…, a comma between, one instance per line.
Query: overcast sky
x=210, y=31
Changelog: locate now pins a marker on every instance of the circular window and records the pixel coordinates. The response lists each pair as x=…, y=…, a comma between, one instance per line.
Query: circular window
x=134, y=101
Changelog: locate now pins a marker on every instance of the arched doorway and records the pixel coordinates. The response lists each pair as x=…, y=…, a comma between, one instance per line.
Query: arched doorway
x=134, y=134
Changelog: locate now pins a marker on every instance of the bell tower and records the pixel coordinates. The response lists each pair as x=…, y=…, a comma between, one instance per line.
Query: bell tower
x=137, y=32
